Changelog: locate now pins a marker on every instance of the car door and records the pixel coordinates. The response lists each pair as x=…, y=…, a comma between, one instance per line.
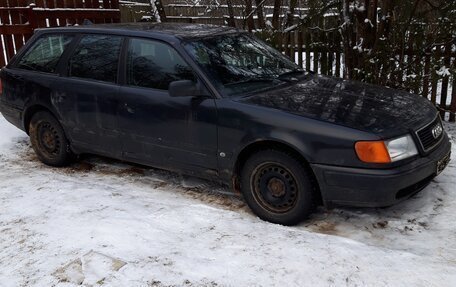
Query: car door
x=170, y=132
x=88, y=93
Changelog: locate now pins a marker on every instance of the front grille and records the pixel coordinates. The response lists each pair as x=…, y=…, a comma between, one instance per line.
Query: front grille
x=426, y=136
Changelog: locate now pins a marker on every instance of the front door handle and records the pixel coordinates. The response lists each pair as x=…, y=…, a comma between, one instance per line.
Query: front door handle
x=129, y=109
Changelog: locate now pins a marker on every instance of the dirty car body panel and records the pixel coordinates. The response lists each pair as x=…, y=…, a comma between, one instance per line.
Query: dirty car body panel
x=320, y=118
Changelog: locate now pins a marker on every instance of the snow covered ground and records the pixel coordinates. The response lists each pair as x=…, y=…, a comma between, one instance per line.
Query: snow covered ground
x=103, y=222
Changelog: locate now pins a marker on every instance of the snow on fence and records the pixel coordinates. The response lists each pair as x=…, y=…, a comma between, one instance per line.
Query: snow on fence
x=18, y=19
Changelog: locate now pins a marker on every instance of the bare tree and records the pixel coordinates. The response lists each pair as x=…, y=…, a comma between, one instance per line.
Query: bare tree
x=260, y=15
x=276, y=14
x=248, y=19
x=158, y=10
x=231, y=21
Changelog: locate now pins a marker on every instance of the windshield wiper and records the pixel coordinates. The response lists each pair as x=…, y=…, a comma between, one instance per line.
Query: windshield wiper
x=252, y=80
x=290, y=73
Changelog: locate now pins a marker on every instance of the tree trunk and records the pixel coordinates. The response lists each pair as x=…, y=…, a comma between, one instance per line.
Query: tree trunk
x=290, y=13
x=249, y=16
x=230, y=13
x=347, y=33
x=158, y=10
x=276, y=14
x=259, y=10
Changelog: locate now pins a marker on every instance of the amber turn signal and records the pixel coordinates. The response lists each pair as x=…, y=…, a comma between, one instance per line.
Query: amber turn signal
x=372, y=152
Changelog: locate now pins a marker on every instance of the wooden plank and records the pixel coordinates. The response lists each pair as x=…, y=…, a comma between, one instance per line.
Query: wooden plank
x=279, y=41
x=70, y=3
x=15, y=18
x=3, y=44
x=2, y=57
x=426, y=76
x=78, y=4
x=60, y=21
x=338, y=66
x=292, y=45
x=40, y=21
x=115, y=4
x=95, y=13
x=19, y=29
x=39, y=3
x=52, y=20
x=3, y=47
x=286, y=42
x=307, y=48
x=316, y=52
x=453, y=98
x=434, y=78
x=95, y=4
x=31, y=21
x=8, y=38
x=300, y=44
x=445, y=81
x=88, y=4
x=330, y=52
x=70, y=18
x=106, y=4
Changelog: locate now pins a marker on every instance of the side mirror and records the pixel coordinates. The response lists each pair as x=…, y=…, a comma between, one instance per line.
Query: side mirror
x=185, y=88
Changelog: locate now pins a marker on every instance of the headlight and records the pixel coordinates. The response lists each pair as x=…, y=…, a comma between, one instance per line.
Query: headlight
x=386, y=151
x=401, y=148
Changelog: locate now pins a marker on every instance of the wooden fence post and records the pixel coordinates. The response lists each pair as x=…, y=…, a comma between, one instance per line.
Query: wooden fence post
x=453, y=99
x=445, y=81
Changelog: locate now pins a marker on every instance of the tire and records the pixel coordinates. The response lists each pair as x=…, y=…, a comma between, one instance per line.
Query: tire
x=277, y=187
x=48, y=140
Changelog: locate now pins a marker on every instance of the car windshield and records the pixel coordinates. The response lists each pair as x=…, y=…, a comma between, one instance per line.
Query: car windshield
x=240, y=64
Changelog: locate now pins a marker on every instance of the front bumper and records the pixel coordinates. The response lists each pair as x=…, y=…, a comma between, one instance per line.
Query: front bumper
x=378, y=187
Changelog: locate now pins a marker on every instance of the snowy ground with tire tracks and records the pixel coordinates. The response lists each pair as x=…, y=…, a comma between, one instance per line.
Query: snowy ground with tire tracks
x=106, y=223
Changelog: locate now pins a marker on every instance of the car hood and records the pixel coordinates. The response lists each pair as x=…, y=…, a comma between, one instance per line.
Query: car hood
x=383, y=111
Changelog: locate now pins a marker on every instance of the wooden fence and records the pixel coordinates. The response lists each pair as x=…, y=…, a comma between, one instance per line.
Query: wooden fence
x=18, y=19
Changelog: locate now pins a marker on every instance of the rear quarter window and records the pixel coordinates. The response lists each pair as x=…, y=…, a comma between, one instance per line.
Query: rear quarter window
x=45, y=53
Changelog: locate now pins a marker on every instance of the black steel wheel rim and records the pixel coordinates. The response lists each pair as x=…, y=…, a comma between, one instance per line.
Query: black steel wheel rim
x=48, y=139
x=274, y=187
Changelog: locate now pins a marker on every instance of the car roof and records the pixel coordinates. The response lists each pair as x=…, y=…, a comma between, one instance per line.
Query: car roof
x=178, y=30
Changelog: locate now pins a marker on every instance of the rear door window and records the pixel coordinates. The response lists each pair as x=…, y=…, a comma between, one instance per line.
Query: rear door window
x=152, y=64
x=45, y=53
x=96, y=57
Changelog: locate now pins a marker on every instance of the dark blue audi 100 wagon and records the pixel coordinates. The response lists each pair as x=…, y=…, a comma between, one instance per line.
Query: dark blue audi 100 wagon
x=217, y=103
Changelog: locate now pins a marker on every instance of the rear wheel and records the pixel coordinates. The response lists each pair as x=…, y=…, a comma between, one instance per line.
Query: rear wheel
x=277, y=187
x=48, y=140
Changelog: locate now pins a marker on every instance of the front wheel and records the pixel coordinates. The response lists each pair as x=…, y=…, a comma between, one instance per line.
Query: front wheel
x=277, y=187
x=48, y=140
